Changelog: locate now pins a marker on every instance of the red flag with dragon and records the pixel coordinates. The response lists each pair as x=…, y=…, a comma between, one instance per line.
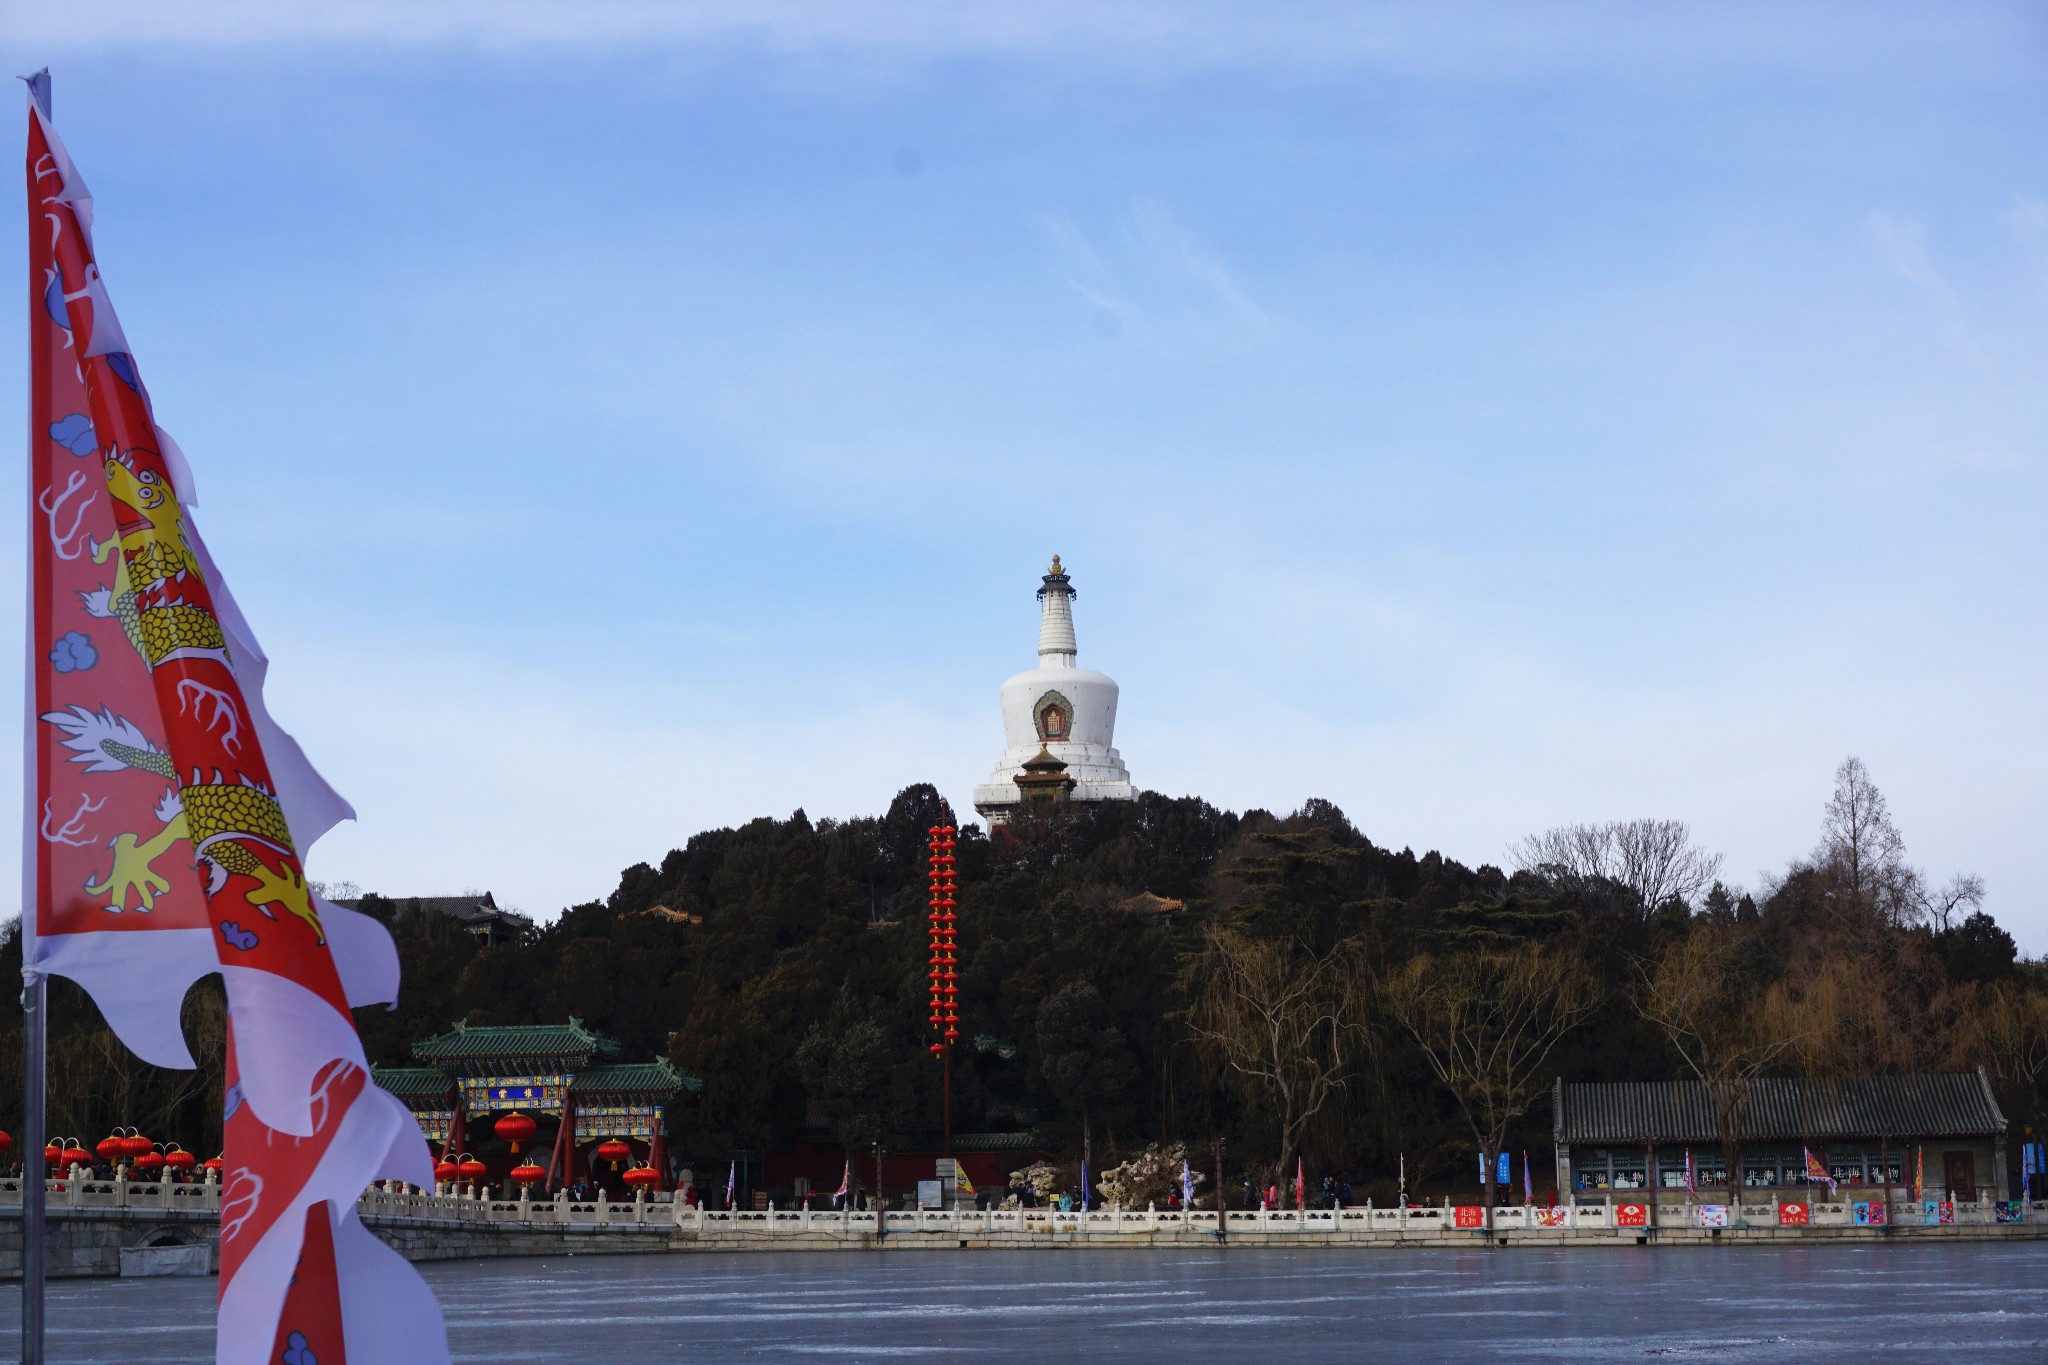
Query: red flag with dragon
x=166, y=820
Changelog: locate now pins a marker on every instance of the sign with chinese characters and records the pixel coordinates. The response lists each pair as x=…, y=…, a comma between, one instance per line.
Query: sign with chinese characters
x=1631, y=1215
x=1469, y=1216
x=1713, y=1215
x=481, y=1094
x=1792, y=1215
x=617, y=1120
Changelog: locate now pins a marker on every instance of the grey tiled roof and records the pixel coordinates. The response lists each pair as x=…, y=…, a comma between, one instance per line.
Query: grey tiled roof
x=566, y=1044
x=656, y=1077
x=1780, y=1108
x=414, y=1082
x=995, y=1142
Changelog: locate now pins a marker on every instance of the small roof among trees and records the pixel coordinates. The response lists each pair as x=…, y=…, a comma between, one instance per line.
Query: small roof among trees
x=1780, y=1108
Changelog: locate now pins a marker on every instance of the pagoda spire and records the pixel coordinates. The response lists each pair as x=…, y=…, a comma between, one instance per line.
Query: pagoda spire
x=1056, y=644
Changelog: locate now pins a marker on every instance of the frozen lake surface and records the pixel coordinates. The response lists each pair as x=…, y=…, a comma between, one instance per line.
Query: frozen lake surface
x=1812, y=1305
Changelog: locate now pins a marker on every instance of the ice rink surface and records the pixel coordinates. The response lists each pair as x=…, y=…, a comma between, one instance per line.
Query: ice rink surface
x=1811, y=1305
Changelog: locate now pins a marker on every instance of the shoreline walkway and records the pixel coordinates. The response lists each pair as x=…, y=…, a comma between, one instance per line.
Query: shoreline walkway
x=117, y=1227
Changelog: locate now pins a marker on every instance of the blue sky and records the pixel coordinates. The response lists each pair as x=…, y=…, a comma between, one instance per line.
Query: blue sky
x=628, y=418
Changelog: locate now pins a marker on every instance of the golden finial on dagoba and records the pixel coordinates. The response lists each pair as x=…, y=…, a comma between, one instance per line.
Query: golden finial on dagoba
x=1056, y=566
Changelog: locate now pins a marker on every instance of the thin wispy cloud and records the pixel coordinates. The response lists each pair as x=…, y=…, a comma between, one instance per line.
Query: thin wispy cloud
x=1902, y=246
x=1151, y=273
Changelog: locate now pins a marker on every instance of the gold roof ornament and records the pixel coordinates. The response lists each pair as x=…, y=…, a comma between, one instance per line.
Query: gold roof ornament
x=1056, y=570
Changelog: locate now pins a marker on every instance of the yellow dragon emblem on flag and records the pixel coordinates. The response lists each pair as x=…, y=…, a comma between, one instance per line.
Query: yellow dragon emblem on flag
x=234, y=824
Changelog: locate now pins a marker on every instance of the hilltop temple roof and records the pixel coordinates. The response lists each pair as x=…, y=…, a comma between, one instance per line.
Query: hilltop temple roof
x=1056, y=714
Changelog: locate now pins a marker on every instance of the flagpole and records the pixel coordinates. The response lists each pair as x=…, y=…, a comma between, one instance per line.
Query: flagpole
x=32, y=1169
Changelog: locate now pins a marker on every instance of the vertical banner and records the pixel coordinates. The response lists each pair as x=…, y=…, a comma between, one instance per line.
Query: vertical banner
x=166, y=814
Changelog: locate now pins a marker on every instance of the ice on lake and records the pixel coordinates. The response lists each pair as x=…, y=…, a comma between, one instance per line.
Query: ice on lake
x=1812, y=1305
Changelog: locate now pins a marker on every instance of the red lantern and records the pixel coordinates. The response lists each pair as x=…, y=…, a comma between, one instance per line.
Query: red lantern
x=75, y=1155
x=149, y=1161
x=5, y=1140
x=614, y=1151
x=472, y=1170
x=528, y=1174
x=178, y=1159
x=515, y=1129
x=111, y=1148
x=52, y=1154
x=445, y=1171
x=214, y=1164
x=135, y=1144
x=642, y=1175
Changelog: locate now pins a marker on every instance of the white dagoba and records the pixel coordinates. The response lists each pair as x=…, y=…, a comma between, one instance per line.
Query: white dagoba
x=1059, y=711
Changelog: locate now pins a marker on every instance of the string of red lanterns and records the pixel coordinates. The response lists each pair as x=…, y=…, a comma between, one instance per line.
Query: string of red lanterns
x=945, y=972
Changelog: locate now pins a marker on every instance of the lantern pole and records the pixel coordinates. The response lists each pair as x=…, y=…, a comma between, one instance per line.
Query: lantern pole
x=33, y=1169
x=944, y=975
x=1222, y=1217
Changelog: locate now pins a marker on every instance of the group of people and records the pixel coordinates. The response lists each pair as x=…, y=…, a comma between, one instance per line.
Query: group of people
x=1334, y=1194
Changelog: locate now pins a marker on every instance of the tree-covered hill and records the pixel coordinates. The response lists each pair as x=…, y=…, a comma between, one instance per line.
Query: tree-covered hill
x=784, y=963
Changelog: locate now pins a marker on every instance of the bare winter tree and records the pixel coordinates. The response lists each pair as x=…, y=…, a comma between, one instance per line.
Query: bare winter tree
x=1964, y=893
x=1859, y=842
x=1281, y=1018
x=2011, y=1028
x=1726, y=1030
x=1656, y=859
x=1486, y=1022
x=1865, y=852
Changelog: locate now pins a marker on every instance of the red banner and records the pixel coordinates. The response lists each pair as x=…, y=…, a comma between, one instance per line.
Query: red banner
x=164, y=838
